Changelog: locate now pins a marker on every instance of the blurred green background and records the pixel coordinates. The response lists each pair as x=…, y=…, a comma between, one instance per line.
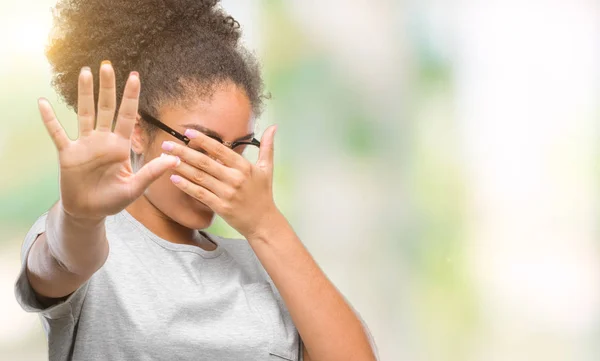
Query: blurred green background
x=438, y=158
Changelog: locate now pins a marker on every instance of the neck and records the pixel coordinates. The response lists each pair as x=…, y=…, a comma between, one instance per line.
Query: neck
x=164, y=227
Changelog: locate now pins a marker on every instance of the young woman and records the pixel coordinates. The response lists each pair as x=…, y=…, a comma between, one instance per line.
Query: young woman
x=119, y=268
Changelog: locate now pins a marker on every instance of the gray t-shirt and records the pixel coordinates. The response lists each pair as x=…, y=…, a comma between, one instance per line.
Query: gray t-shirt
x=155, y=300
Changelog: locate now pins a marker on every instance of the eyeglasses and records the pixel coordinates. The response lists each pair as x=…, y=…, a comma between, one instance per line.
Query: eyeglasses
x=238, y=145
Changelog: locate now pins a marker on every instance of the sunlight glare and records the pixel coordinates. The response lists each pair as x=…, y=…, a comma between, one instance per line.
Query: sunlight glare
x=24, y=35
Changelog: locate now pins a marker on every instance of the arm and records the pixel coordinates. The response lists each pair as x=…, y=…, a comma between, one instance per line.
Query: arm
x=241, y=193
x=328, y=326
x=59, y=262
x=96, y=180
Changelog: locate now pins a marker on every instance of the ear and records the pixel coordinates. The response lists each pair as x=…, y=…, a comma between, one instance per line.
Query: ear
x=138, y=144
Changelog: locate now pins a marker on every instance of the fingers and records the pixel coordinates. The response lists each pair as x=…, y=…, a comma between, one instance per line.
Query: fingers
x=85, y=101
x=217, y=150
x=151, y=172
x=267, y=145
x=204, y=179
x=129, y=106
x=107, y=102
x=200, y=193
x=107, y=99
x=198, y=160
x=56, y=131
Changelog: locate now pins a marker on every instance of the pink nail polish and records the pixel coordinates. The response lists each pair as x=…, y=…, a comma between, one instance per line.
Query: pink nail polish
x=190, y=133
x=168, y=146
x=175, y=179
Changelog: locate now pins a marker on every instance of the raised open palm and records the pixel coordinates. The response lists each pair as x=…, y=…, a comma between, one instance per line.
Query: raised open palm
x=96, y=177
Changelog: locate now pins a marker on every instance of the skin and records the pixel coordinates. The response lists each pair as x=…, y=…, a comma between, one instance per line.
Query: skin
x=177, y=194
x=166, y=210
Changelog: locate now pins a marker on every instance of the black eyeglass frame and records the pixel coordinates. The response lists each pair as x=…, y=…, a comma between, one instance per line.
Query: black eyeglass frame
x=152, y=120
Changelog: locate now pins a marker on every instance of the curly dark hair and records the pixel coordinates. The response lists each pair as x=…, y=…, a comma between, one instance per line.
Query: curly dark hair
x=181, y=48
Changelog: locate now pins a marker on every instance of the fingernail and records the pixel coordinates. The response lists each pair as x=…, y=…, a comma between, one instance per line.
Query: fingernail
x=190, y=133
x=175, y=179
x=134, y=73
x=106, y=62
x=86, y=68
x=168, y=146
x=168, y=155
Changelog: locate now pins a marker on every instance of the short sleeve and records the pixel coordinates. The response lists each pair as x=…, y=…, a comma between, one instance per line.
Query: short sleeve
x=25, y=294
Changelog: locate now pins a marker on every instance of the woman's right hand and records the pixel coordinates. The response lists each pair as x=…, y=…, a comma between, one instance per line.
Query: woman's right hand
x=96, y=177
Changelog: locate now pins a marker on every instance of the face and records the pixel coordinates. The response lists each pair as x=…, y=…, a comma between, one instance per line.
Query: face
x=228, y=113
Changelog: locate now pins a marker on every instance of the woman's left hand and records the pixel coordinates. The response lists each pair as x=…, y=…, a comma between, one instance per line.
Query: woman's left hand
x=237, y=190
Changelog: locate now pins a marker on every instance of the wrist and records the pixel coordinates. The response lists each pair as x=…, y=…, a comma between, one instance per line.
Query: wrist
x=272, y=224
x=76, y=221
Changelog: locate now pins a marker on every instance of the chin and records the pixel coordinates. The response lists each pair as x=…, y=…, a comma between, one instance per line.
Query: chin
x=191, y=213
x=198, y=218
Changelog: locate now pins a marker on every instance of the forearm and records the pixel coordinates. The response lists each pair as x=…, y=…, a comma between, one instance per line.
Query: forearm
x=67, y=254
x=79, y=245
x=328, y=326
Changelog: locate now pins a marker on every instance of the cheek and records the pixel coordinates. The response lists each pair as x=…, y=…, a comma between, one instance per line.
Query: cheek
x=164, y=195
x=161, y=188
x=153, y=149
